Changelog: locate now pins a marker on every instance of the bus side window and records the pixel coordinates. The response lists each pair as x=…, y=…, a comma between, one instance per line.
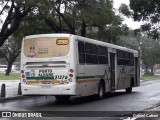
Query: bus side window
x=102, y=55
x=91, y=53
x=125, y=58
x=81, y=52
x=120, y=57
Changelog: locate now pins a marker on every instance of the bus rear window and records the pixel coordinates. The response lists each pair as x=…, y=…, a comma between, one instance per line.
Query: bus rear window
x=46, y=47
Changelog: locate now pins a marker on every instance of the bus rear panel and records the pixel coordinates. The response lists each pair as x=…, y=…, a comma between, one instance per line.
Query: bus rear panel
x=45, y=66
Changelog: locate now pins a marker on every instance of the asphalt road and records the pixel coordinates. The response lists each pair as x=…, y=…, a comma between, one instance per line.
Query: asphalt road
x=142, y=98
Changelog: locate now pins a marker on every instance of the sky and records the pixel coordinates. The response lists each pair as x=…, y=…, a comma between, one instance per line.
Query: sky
x=130, y=22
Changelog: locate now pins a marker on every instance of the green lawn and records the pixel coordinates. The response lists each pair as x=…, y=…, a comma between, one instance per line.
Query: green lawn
x=149, y=77
x=12, y=76
x=16, y=76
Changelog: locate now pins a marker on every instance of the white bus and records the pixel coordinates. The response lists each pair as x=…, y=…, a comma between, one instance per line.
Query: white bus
x=65, y=65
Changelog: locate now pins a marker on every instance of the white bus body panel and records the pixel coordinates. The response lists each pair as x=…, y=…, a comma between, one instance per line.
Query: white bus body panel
x=69, y=89
x=85, y=77
x=36, y=64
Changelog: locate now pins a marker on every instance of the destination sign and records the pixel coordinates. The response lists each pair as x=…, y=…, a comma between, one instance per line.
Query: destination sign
x=62, y=41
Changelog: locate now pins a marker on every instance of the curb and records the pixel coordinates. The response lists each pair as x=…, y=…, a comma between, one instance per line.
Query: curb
x=9, y=80
x=15, y=98
x=149, y=79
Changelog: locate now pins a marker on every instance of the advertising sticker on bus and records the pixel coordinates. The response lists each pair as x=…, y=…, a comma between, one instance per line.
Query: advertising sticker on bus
x=46, y=47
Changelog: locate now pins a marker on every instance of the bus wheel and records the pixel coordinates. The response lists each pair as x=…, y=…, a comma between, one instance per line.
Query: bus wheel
x=63, y=98
x=129, y=89
x=101, y=90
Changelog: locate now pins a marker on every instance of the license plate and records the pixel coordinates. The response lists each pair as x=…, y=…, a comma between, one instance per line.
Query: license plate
x=46, y=82
x=46, y=86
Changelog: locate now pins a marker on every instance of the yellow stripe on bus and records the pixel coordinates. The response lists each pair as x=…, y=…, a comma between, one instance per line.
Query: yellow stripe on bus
x=31, y=82
x=83, y=81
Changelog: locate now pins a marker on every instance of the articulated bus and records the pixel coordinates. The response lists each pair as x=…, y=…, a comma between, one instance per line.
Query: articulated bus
x=65, y=65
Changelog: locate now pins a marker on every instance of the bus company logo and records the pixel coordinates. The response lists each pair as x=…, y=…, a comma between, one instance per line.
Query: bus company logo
x=6, y=114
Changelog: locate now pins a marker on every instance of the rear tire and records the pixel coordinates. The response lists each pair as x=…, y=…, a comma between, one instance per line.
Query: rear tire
x=101, y=90
x=62, y=98
x=129, y=89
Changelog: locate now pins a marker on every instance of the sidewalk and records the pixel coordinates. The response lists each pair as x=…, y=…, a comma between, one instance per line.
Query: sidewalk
x=11, y=90
x=11, y=87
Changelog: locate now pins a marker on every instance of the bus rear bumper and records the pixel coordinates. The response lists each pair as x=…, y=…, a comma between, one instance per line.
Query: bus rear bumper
x=67, y=89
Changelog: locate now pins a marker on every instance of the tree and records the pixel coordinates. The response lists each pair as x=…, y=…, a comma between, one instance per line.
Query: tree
x=130, y=41
x=12, y=47
x=124, y=9
x=16, y=11
x=150, y=49
x=148, y=11
x=83, y=16
x=75, y=17
x=10, y=51
x=150, y=53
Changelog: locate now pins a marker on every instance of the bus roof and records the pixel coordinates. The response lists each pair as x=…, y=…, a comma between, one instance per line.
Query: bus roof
x=85, y=40
x=48, y=35
x=108, y=44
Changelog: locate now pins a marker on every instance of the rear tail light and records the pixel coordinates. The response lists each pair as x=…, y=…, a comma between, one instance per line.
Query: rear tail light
x=22, y=71
x=70, y=75
x=23, y=76
x=71, y=70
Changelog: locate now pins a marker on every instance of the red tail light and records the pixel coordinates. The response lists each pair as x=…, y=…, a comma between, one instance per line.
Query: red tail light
x=22, y=71
x=23, y=76
x=71, y=70
x=70, y=75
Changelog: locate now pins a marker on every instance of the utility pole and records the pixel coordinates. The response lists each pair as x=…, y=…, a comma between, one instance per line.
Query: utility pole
x=140, y=52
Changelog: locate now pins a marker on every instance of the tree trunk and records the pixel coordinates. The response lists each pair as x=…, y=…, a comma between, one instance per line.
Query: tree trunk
x=9, y=67
x=146, y=69
x=152, y=72
x=72, y=30
x=83, y=29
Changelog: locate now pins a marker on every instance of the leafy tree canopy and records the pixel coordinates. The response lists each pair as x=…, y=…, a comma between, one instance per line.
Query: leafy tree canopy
x=150, y=49
x=124, y=9
x=61, y=16
x=10, y=51
x=148, y=11
x=15, y=12
x=83, y=17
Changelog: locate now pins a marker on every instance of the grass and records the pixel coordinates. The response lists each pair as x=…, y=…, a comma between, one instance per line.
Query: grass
x=15, y=76
x=149, y=77
x=12, y=76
